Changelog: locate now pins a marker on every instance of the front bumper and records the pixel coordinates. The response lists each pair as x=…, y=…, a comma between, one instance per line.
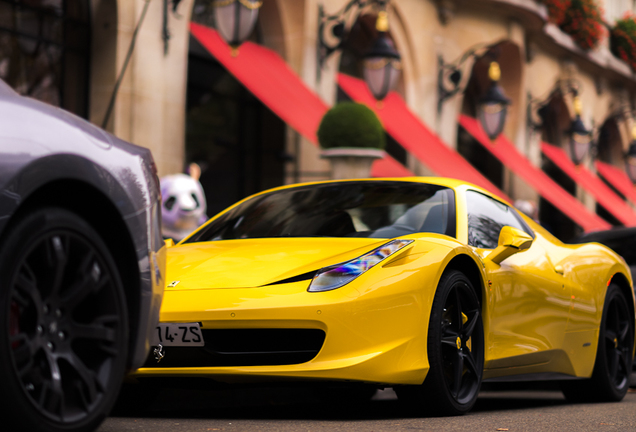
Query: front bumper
x=151, y=251
x=375, y=331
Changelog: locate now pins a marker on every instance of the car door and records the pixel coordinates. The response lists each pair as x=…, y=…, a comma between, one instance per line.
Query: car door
x=527, y=300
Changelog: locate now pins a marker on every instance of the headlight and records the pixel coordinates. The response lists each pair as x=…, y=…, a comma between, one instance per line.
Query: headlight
x=336, y=276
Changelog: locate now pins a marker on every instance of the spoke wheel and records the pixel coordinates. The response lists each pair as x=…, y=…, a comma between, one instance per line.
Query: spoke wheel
x=610, y=379
x=618, y=337
x=455, y=351
x=64, y=352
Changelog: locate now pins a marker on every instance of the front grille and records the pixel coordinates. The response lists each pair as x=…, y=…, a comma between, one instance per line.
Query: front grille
x=245, y=347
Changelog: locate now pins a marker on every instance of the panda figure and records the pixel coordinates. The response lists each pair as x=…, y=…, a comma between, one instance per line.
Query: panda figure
x=183, y=204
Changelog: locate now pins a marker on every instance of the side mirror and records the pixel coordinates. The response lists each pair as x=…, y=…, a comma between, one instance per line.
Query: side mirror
x=169, y=242
x=511, y=241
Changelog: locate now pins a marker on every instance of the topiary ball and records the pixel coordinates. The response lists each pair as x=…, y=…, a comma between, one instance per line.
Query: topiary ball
x=350, y=124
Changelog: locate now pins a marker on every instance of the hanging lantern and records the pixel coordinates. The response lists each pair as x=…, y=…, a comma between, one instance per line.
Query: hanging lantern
x=580, y=137
x=382, y=62
x=235, y=19
x=493, y=106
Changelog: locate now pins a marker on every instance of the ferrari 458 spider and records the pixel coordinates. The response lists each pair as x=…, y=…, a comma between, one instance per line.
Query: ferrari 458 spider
x=426, y=285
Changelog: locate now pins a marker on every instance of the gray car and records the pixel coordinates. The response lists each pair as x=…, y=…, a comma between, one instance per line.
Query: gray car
x=82, y=265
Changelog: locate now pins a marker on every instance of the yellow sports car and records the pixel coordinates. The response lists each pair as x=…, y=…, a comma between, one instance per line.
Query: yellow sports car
x=426, y=285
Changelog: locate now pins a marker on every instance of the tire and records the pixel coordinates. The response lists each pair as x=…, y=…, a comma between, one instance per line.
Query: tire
x=63, y=324
x=455, y=347
x=613, y=364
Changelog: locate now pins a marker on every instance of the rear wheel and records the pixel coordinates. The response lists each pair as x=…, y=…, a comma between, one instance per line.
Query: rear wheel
x=613, y=365
x=455, y=351
x=63, y=325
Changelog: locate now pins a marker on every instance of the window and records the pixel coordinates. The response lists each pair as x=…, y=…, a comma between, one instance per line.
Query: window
x=44, y=50
x=486, y=218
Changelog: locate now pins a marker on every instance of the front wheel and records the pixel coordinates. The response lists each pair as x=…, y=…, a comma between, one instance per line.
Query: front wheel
x=613, y=365
x=63, y=324
x=455, y=351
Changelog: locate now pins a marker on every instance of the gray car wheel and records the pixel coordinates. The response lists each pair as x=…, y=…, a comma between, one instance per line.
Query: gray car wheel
x=63, y=326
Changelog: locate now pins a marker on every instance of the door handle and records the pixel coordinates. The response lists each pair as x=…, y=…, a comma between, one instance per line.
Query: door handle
x=558, y=269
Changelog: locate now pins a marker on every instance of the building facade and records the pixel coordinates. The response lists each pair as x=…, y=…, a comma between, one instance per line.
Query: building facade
x=182, y=99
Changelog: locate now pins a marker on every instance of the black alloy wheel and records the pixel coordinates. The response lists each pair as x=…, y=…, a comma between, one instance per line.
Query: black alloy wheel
x=619, y=338
x=64, y=335
x=455, y=351
x=613, y=365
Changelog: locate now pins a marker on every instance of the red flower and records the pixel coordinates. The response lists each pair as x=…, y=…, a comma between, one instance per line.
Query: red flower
x=581, y=19
x=623, y=39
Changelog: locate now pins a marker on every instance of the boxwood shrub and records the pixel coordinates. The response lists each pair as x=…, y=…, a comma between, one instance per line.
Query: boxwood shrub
x=350, y=124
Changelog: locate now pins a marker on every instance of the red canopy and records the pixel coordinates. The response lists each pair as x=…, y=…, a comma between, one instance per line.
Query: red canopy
x=591, y=183
x=508, y=154
x=618, y=179
x=408, y=130
x=264, y=73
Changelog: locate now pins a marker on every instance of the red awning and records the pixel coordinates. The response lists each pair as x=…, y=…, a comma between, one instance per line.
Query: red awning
x=408, y=130
x=618, y=179
x=508, y=154
x=591, y=183
x=264, y=73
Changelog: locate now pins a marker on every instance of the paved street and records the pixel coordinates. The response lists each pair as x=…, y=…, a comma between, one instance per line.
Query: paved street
x=294, y=410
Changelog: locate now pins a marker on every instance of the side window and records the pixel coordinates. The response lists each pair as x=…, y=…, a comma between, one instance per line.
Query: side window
x=486, y=218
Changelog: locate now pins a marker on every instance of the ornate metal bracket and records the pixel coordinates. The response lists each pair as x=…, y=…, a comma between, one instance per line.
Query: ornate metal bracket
x=337, y=24
x=165, y=32
x=452, y=72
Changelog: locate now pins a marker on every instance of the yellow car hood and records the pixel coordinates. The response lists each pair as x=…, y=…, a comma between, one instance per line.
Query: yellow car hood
x=257, y=262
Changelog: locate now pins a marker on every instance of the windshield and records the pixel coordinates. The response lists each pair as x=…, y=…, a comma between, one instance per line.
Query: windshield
x=349, y=209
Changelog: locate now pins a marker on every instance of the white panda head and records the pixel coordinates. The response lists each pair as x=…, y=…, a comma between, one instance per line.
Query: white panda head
x=182, y=205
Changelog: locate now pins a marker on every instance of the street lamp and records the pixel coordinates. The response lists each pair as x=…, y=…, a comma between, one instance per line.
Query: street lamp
x=381, y=62
x=630, y=158
x=580, y=137
x=493, y=106
x=235, y=19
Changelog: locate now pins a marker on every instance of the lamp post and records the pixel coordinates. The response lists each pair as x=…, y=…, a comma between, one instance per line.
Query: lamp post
x=493, y=106
x=630, y=158
x=235, y=19
x=382, y=64
x=580, y=137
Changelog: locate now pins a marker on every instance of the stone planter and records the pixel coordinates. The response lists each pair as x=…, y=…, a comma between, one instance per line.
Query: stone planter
x=348, y=162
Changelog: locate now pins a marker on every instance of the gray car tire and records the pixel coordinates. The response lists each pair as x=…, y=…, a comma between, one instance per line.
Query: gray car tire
x=63, y=324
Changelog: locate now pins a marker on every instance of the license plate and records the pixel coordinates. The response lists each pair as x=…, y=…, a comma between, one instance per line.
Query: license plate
x=178, y=334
